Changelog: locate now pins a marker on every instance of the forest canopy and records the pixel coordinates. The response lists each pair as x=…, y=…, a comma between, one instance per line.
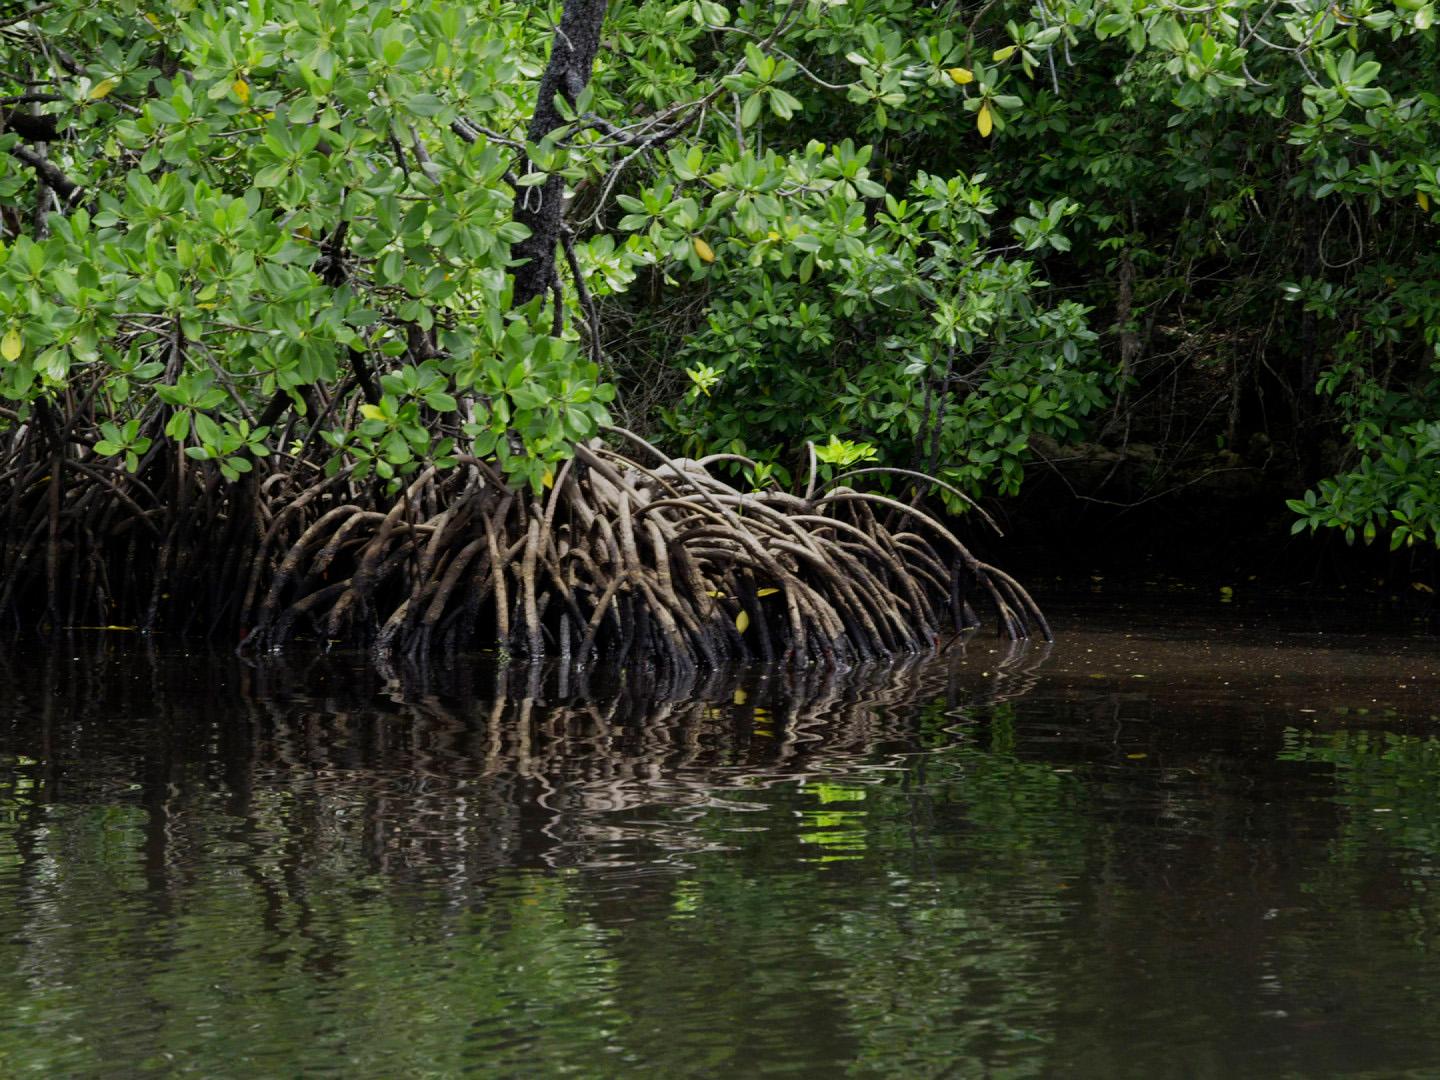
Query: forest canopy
x=931, y=235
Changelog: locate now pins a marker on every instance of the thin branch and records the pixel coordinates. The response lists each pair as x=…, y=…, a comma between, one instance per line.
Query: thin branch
x=587, y=301
x=781, y=52
x=25, y=16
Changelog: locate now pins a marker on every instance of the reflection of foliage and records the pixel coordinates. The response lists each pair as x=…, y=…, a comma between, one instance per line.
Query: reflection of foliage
x=839, y=825
x=306, y=838
x=258, y=953
x=904, y=936
x=965, y=992
x=1389, y=783
x=298, y=870
x=956, y=948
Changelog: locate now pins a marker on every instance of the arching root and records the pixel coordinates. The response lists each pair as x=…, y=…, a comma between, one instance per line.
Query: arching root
x=636, y=558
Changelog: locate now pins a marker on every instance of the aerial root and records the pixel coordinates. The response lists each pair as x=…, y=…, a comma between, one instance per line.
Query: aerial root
x=632, y=557
x=636, y=559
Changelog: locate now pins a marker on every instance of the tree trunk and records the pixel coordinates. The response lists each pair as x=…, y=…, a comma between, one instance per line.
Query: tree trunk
x=542, y=209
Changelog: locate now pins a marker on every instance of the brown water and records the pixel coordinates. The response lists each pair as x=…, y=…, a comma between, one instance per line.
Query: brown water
x=1211, y=850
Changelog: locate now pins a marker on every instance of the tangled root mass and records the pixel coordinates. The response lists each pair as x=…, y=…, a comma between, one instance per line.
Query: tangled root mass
x=633, y=557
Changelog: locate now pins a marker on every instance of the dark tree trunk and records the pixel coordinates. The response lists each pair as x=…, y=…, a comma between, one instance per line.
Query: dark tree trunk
x=542, y=209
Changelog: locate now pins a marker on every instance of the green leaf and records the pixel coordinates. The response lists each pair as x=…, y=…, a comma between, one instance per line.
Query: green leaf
x=12, y=344
x=206, y=430
x=750, y=111
x=425, y=105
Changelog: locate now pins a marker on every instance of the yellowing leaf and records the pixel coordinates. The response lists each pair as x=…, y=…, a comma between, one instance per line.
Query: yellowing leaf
x=103, y=87
x=961, y=75
x=704, y=250
x=152, y=20
x=241, y=89
x=1423, y=200
x=1001, y=55
x=773, y=235
x=984, y=122
x=549, y=478
x=739, y=697
x=742, y=621
x=372, y=412
x=1420, y=586
x=766, y=592
x=12, y=344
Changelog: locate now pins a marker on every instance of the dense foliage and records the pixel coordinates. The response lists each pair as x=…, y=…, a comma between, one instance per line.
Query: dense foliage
x=917, y=233
x=266, y=199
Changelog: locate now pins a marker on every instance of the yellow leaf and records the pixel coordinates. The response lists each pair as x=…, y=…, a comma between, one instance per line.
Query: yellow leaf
x=766, y=592
x=103, y=87
x=372, y=412
x=1420, y=586
x=742, y=621
x=961, y=75
x=1423, y=200
x=1001, y=55
x=739, y=698
x=549, y=478
x=704, y=250
x=1137, y=757
x=773, y=235
x=716, y=593
x=12, y=344
x=241, y=89
x=984, y=122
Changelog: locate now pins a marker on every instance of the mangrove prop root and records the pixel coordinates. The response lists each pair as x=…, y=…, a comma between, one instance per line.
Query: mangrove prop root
x=631, y=557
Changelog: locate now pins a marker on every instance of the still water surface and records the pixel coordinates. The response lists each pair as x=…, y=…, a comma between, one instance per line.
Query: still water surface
x=1207, y=851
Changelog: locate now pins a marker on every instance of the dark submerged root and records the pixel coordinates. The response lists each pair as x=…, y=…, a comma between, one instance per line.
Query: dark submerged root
x=632, y=557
